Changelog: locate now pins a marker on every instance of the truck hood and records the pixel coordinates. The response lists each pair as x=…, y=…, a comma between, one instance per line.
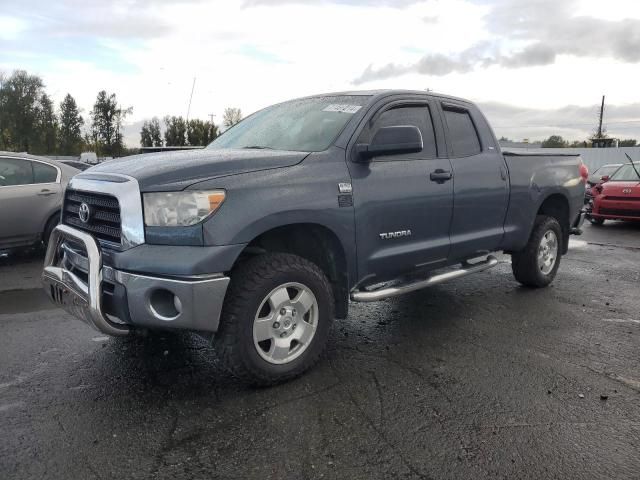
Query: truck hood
x=177, y=170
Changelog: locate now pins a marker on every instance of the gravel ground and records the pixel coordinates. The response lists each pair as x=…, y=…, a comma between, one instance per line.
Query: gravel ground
x=479, y=378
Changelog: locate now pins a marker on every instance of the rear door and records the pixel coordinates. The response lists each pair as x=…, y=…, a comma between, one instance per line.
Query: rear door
x=402, y=216
x=481, y=187
x=30, y=192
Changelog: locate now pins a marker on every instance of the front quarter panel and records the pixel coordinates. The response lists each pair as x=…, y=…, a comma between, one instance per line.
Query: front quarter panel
x=305, y=193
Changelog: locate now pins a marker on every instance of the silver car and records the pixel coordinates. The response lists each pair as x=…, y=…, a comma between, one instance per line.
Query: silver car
x=31, y=193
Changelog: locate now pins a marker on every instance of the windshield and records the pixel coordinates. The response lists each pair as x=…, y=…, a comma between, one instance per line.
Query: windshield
x=306, y=125
x=607, y=170
x=626, y=173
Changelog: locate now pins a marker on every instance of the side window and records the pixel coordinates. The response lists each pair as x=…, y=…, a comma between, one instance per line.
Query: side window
x=462, y=132
x=418, y=116
x=43, y=173
x=14, y=171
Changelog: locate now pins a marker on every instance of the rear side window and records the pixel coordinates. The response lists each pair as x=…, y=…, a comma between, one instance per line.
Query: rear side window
x=43, y=173
x=14, y=171
x=418, y=116
x=462, y=132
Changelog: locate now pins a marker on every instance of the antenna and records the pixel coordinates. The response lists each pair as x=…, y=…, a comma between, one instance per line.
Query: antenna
x=189, y=108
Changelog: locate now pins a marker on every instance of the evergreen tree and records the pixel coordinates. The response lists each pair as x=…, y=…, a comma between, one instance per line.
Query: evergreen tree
x=175, y=132
x=70, y=127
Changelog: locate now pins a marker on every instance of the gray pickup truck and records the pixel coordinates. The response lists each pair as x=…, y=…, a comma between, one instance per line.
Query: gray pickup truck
x=261, y=239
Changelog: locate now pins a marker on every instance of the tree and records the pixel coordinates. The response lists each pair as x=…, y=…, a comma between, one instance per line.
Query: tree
x=211, y=132
x=231, y=117
x=156, y=135
x=20, y=111
x=47, y=126
x=70, y=126
x=175, y=131
x=201, y=133
x=145, y=135
x=150, y=135
x=554, y=141
x=106, y=123
x=629, y=142
x=578, y=144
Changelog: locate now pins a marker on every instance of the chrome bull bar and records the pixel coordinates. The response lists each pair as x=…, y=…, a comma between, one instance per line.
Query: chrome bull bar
x=83, y=300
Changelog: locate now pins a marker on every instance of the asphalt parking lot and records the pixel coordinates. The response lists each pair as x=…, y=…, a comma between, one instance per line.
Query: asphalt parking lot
x=479, y=378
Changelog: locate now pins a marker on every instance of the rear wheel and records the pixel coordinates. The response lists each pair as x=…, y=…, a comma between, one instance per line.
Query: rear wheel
x=276, y=318
x=537, y=264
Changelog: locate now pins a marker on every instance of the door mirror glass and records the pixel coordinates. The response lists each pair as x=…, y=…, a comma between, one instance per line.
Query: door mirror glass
x=392, y=140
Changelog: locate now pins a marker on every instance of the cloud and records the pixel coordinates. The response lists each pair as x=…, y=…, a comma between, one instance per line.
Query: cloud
x=572, y=121
x=355, y=3
x=544, y=29
x=118, y=20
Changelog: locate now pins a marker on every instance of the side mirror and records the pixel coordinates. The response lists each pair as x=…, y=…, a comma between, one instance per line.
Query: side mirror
x=391, y=141
x=604, y=178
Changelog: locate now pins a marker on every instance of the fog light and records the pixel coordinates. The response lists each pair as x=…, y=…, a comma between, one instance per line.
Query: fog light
x=164, y=304
x=177, y=304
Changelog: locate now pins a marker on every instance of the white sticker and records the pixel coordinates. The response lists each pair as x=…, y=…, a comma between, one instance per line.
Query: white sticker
x=334, y=107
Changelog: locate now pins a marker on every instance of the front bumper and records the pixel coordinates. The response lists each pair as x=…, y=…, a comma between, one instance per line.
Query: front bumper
x=113, y=301
x=611, y=209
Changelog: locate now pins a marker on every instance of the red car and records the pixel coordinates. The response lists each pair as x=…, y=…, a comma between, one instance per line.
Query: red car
x=618, y=197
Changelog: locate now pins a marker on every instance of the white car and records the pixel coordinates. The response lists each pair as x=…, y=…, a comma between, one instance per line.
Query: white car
x=31, y=194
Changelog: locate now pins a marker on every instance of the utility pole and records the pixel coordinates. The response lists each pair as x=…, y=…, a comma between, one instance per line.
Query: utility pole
x=211, y=115
x=600, y=119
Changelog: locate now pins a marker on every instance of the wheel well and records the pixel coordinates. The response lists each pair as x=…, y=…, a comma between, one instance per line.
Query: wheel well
x=557, y=206
x=54, y=216
x=317, y=244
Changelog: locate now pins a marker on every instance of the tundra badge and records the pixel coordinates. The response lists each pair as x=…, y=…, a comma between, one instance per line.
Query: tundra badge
x=398, y=234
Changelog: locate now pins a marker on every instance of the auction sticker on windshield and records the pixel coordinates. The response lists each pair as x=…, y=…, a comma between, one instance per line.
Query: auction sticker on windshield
x=334, y=107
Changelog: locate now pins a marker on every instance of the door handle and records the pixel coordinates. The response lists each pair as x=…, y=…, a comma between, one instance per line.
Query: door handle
x=46, y=193
x=440, y=175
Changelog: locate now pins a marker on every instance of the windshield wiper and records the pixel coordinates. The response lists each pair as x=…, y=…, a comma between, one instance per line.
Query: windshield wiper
x=633, y=165
x=259, y=147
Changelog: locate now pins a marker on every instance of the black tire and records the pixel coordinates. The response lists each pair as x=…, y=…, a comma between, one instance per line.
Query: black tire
x=48, y=229
x=596, y=221
x=525, y=263
x=251, y=282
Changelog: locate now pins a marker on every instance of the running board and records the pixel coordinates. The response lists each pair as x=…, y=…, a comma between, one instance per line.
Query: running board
x=466, y=269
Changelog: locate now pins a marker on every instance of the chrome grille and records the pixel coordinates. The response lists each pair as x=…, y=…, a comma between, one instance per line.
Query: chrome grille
x=104, y=221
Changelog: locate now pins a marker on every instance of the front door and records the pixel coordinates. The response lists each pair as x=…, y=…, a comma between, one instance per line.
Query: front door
x=402, y=216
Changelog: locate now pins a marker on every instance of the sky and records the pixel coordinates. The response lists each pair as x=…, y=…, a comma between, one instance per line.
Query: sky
x=536, y=67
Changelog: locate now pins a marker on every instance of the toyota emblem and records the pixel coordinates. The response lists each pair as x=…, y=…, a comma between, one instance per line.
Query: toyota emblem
x=84, y=213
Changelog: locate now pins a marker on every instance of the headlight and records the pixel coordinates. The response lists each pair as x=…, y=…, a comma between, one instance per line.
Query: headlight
x=180, y=209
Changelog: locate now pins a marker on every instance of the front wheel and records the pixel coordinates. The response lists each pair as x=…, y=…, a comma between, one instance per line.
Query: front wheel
x=276, y=319
x=537, y=264
x=596, y=221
